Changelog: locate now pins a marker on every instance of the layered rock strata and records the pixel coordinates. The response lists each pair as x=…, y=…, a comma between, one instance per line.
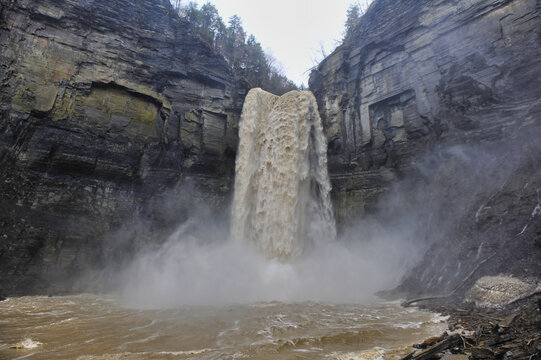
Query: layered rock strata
x=104, y=105
x=441, y=95
x=415, y=73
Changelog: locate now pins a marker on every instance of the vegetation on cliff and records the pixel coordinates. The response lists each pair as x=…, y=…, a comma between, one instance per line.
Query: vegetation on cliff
x=244, y=54
x=353, y=17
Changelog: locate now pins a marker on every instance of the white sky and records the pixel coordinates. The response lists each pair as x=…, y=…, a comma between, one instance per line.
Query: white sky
x=290, y=30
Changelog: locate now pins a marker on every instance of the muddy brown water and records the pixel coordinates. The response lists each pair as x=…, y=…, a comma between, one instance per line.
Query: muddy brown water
x=99, y=327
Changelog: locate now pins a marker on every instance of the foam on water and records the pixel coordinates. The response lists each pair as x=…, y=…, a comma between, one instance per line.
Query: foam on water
x=26, y=344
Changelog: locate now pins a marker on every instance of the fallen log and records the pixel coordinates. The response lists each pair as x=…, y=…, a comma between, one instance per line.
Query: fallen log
x=448, y=343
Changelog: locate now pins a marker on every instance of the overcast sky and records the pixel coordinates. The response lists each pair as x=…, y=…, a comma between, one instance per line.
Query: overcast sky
x=291, y=30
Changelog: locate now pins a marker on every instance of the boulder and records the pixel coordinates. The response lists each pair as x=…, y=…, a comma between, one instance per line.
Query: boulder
x=497, y=291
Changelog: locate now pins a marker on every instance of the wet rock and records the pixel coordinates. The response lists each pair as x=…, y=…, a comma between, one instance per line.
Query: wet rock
x=511, y=332
x=416, y=73
x=416, y=82
x=455, y=357
x=482, y=353
x=103, y=107
x=508, y=320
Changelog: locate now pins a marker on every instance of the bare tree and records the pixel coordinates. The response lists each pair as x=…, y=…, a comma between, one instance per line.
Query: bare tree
x=176, y=5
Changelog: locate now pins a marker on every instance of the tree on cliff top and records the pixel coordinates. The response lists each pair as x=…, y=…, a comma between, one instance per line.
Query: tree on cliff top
x=176, y=5
x=244, y=54
x=354, y=14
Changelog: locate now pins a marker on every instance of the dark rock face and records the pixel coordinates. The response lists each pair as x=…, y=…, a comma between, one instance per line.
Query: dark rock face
x=104, y=105
x=489, y=226
x=423, y=72
x=425, y=75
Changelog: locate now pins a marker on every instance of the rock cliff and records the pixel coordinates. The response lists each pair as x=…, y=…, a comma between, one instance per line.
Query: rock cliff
x=432, y=93
x=104, y=106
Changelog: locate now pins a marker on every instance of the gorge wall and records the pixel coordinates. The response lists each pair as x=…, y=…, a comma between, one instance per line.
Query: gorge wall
x=434, y=93
x=105, y=107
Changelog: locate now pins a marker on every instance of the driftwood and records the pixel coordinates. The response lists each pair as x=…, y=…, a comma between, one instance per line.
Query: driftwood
x=447, y=343
x=488, y=335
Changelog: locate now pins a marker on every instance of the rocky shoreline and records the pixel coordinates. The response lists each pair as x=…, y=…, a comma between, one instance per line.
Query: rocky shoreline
x=511, y=332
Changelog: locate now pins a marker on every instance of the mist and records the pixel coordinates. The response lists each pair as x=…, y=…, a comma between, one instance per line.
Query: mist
x=198, y=265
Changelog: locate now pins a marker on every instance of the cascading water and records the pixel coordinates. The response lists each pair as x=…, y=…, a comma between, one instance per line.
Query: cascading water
x=282, y=186
x=282, y=204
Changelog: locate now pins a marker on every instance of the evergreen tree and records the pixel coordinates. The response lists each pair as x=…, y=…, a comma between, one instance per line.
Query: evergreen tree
x=257, y=68
x=245, y=55
x=211, y=23
x=235, y=43
x=353, y=17
x=354, y=14
x=192, y=14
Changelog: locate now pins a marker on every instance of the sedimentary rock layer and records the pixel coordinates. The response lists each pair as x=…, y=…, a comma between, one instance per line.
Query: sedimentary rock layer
x=104, y=105
x=417, y=72
x=441, y=93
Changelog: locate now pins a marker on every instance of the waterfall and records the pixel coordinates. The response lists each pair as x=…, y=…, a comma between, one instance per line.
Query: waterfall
x=282, y=200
